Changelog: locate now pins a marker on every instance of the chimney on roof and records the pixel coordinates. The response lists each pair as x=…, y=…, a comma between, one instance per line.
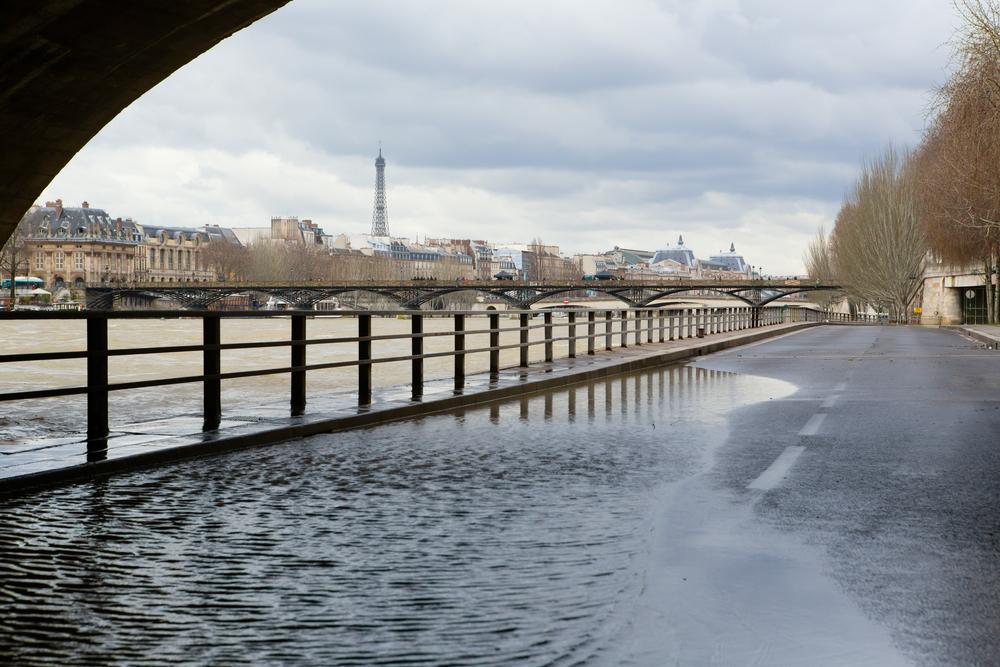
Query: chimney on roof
x=58, y=207
x=85, y=204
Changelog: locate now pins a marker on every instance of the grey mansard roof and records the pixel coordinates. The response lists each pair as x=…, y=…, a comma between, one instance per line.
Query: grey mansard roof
x=94, y=224
x=80, y=224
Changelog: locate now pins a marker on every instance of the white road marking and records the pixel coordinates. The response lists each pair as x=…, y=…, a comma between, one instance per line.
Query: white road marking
x=829, y=402
x=840, y=387
x=777, y=470
x=812, y=426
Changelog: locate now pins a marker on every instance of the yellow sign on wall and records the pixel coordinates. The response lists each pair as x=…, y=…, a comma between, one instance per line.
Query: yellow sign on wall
x=918, y=310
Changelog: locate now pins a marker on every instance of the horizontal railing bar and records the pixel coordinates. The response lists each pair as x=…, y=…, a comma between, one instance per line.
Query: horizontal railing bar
x=42, y=393
x=173, y=349
x=158, y=382
x=42, y=356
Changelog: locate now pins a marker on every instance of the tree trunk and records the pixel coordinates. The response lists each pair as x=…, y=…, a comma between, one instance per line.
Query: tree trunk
x=13, y=273
x=995, y=288
x=990, y=310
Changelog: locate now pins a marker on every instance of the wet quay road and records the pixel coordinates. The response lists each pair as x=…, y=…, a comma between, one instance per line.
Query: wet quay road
x=698, y=514
x=894, y=442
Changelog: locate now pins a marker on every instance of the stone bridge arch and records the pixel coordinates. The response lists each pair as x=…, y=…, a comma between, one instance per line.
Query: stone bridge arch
x=100, y=55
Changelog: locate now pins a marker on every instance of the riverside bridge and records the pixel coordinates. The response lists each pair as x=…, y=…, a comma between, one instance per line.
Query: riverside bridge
x=413, y=294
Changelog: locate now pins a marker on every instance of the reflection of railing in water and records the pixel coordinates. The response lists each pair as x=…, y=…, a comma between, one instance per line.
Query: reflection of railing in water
x=588, y=330
x=619, y=399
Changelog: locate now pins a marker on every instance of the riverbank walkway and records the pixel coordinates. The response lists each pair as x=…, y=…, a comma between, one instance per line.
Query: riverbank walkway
x=55, y=460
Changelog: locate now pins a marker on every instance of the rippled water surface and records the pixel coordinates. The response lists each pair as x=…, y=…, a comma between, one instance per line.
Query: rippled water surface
x=515, y=534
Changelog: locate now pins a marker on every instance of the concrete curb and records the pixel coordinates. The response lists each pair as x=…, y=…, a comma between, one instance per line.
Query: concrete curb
x=23, y=484
x=978, y=335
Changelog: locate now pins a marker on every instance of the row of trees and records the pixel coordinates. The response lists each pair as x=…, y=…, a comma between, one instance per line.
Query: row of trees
x=942, y=198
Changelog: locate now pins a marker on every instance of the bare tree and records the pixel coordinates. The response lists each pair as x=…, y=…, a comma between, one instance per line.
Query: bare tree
x=14, y=258
x=225, y=259
x=878, y=241
x=818, y=259
x=959, y=161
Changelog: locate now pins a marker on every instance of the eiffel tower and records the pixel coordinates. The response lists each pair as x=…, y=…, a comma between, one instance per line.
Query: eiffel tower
x=380, y=217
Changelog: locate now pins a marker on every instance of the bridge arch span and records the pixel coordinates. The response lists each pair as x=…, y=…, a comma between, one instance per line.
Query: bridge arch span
x=102, y=58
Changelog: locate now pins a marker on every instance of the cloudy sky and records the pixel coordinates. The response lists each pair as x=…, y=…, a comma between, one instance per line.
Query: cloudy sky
x=587, y=123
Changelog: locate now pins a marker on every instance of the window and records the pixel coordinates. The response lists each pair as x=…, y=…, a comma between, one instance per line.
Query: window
x=152, y=257
x=39, y=261
x=170, y=259
x=78, y=261
x=59, y=258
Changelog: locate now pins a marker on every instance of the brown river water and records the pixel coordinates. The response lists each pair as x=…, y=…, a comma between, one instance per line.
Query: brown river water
x=65, y=415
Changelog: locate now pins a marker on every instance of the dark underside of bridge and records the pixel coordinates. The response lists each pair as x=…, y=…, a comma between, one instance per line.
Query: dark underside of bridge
x=67, y=67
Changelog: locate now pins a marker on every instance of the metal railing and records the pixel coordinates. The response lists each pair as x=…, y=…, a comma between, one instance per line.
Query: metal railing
x=584, y=331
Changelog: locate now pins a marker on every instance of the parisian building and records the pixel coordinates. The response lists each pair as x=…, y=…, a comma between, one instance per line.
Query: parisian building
x=81, y=246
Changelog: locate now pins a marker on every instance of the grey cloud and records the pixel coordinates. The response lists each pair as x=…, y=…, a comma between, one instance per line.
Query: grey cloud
x=596, y=123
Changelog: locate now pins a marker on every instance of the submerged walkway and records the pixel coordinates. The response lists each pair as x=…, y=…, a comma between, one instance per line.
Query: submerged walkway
x=51, y=461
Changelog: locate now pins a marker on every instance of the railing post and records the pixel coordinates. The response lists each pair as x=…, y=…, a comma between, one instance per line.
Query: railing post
x=97, y=384
x=524, y=340
x=364, y=359
x=692, y=315
x=459, y=351
x=591, y=331
x=638, y=326
x=494, y=344
x=623, y=331
x=417, y=351
x=211, y=365
x=298, y=402
x=571, y=333
x=661, y=315
x=754, y=317
x=649, y=326
x=547, y=318
x=607, y=330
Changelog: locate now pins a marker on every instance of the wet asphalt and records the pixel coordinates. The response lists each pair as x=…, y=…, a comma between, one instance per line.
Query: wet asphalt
x=862, y=524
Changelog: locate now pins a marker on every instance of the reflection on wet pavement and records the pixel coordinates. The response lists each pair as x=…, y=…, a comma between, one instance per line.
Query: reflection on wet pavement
x=517, y=533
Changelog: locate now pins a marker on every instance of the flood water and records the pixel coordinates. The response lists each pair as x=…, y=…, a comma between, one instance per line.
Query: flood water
x=61, y=416
x=512, y=534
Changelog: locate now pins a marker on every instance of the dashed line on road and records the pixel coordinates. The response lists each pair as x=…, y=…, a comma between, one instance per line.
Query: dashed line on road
x=777, y=470
x=812, y=426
